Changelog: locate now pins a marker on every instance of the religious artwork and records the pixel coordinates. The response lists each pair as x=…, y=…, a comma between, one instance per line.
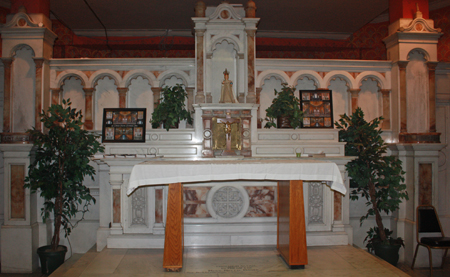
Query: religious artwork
x=317, y=107
x=123, y=125
x=227, y=94
x=227, y=134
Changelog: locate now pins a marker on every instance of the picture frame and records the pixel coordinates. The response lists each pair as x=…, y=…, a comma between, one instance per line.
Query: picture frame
x=317, y=108
x=124, y=125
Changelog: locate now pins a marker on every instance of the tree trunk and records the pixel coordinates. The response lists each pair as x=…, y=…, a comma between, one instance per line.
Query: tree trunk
x=378, y=219
x=58, y=219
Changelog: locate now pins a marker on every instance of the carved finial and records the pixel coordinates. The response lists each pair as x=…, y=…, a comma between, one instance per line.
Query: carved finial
x=250, y=10
x=22, y=9
x=200, y=9
x=418, y=13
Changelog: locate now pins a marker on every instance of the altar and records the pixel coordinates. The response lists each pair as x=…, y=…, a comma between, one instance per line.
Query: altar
x=229, y=200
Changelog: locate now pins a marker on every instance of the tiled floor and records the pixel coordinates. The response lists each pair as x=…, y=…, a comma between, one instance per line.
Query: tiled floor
x=221, y=262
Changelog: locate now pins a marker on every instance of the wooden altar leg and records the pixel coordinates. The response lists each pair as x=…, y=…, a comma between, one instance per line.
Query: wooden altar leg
x=291, y=232
x=173, y=243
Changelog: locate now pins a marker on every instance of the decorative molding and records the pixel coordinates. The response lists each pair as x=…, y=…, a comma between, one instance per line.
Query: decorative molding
x=225, y=12
x=315, y=202
x=139, y=207
x=22, y=20
x=227, y=202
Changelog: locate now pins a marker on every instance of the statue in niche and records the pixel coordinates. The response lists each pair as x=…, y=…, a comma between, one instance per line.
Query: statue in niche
x=227, y=95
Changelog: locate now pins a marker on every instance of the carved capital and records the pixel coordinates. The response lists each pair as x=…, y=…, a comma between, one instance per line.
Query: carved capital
x=7, y=62
x=122, y=91
x=432, y=65
x=88, y=91
x=200, y=32
x=385, y=92
x=354, y=92
x=39, y=62
x=402, y=64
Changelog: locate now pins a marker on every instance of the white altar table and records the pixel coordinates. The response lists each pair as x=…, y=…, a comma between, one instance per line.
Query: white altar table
x=290, y=174
x=167, y=171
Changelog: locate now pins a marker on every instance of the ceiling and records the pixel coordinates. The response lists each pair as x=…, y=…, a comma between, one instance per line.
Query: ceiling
x=281, y=18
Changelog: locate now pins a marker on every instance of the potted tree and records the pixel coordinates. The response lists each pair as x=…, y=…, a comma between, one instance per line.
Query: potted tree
x=285, y=108
x=376, y=177
x=171, y=109
x=61, y=162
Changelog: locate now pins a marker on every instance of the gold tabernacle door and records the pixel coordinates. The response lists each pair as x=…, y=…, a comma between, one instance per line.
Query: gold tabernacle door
x=219, y=134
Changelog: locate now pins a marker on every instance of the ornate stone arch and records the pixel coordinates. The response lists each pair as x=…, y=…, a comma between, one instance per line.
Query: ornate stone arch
x=133, y=74
x=343, y=75
x=422, y=51
x=100, y=74
x=375, y=76
x=20, y=47
x=169, y=74
x=310, y=74
x=229, y=40
x=71, y=73
x=267, y=74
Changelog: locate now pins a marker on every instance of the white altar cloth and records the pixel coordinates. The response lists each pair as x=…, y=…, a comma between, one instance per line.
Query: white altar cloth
x=166, y=171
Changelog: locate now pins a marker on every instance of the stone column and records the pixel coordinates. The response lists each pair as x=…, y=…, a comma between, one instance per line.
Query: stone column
x=7, y=94
x=432, y=95
x=38, y=93
x=122, y=97
x=385, y=94
x=251, y=94
x=403, y=114
x=88, y=122
x=200, y=96
x=354, y=93
x=56, y=92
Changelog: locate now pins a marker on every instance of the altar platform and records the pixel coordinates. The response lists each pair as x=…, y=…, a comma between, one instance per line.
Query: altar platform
x=243, y=261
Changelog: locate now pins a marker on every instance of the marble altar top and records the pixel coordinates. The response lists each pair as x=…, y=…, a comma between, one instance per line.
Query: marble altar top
x=165, y=171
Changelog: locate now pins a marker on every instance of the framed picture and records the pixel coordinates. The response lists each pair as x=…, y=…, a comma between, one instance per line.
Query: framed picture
x=317, y=107
x=124, y=125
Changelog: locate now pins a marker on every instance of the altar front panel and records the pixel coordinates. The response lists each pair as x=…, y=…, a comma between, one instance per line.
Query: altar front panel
x=255, y=208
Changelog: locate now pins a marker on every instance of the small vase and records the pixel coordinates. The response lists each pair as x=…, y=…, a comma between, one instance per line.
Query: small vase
x=284, y=122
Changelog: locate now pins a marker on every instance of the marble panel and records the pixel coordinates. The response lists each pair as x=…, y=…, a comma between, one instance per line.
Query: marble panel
x=262, y=202
x=116, y=205
x=425, y=184
x=17, y=191
x=158, y=205
x=194, y=200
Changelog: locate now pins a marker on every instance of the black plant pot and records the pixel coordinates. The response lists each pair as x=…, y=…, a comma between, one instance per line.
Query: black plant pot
x=284, y=122
x=387, y=252
x=50, y=260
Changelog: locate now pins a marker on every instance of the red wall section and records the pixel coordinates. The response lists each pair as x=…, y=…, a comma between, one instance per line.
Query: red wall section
x=365, y=44
x=441, y=19
x=69, y=45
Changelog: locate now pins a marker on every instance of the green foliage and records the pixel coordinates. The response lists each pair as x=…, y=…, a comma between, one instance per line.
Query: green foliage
x=60, y=164
x=379, y=178
x=284, y=104
x=171, y=109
